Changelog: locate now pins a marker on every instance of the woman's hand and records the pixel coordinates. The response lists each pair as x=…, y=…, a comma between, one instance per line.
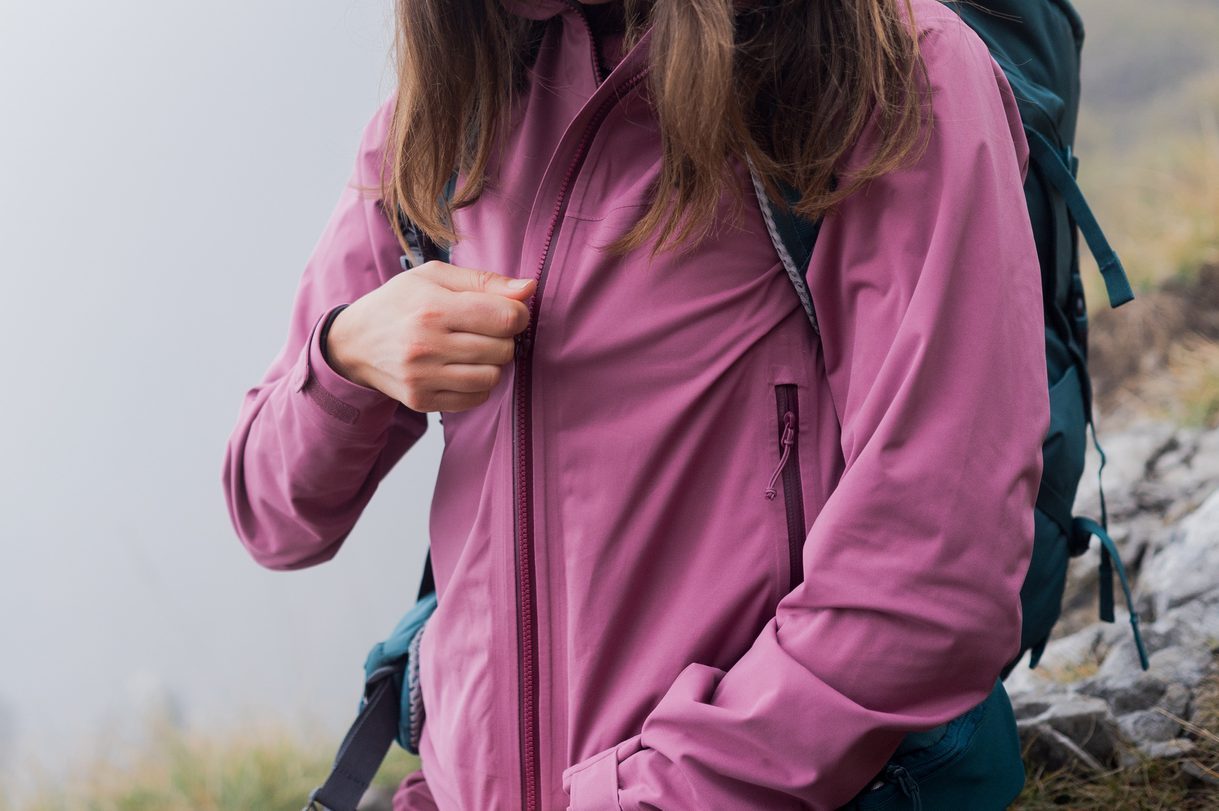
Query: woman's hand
x=434, y=338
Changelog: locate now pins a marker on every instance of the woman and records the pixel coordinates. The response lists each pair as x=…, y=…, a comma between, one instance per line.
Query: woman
x=689, y=553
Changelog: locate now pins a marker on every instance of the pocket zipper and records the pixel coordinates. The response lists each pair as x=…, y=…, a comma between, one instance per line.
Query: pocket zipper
x=789, y=466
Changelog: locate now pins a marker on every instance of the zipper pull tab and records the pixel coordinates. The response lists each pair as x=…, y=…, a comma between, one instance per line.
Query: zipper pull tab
x=906, y=783
x=789, y=434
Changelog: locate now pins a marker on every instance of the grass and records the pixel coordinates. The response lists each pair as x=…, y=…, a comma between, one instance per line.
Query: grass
x=264, y=768
x=1158, y=205
x=270, y=770
x=1189, y=783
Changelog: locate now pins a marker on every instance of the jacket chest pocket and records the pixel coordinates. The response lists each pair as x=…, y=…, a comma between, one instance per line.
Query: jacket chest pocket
x=785, y=482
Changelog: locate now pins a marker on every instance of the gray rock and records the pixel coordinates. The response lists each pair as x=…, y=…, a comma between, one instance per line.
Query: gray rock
x=1177, y=747
x=1193, y=473
x=1148, y=726
x=1045, y=746
x=1187, y=567
x=1176, y=700
x=1127, y=458
x=1086, y=722
x=1203, y=775
x=1162, y=490
x=1063, y=660
x=1205, y=463
x=1127, y=688
x=1029, y=707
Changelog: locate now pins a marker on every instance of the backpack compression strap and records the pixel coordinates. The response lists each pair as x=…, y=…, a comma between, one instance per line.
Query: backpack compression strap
x=1109, y=561
x=1059, y=169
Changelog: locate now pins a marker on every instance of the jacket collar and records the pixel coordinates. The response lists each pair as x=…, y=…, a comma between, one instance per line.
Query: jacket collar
x=536, y=9
x=545, y=9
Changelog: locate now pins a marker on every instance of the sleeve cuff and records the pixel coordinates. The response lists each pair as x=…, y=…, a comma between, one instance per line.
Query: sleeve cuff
x=344, y=401
x=592, y=784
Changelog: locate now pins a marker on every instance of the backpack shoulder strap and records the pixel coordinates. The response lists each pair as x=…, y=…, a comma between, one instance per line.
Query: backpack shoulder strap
x=427, y=250
x=420, y=243
x=793, y=237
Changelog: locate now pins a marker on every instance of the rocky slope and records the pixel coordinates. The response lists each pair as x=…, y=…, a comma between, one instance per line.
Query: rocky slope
x=1089, y=704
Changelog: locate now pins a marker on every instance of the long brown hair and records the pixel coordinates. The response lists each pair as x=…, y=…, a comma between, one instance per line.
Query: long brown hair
x=788, y=83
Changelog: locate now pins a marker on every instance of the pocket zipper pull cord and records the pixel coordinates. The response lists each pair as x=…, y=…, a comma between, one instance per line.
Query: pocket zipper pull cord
x=789, y=432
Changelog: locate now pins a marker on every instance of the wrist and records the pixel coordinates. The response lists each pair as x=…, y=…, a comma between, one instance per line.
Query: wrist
x=330, y=343
x=324, y=337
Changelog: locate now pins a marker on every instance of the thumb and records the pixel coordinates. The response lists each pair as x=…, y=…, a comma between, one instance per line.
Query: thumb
x=514, y=288
x=456, y=277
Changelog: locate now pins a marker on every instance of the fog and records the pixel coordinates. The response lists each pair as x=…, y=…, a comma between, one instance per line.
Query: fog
x=165, y=170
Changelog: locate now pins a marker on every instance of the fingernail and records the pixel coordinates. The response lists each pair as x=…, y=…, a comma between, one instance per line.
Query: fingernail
x=518, y=284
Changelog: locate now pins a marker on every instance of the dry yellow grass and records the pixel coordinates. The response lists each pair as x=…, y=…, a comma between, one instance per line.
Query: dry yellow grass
x=264, y=768
x=1158, y=204
x=1189, y=783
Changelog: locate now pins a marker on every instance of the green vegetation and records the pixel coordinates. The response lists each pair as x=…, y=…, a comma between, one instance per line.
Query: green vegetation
x=1159, y=206
x=270, y=770
x=265, y=769
x=1148, y=135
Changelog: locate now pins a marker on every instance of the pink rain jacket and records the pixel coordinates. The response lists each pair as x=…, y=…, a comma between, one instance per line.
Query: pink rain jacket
x=647, y=599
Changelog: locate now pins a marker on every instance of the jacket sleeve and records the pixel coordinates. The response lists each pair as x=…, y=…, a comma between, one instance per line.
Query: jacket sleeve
x=928, y=292
x=310, y=446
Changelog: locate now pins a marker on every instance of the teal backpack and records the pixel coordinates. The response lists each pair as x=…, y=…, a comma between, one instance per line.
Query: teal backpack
x=1038, y=46
x=973, y=761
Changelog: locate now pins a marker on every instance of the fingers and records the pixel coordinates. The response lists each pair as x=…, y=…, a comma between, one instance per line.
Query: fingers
x=468, y=377
x=471, y=347
x=455, y=400
x=484, y=314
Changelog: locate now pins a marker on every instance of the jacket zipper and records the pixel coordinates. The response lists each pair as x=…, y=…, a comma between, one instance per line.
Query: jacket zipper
x=788, y=407
x=527, y=632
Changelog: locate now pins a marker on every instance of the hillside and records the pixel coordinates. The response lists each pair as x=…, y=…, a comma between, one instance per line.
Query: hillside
x=1149, y=69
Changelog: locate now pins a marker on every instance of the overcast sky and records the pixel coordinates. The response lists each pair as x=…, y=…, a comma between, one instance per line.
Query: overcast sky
x=165, y=170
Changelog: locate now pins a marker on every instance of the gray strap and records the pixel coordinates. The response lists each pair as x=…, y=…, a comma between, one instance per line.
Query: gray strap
x=795, y=273
x=363, y=748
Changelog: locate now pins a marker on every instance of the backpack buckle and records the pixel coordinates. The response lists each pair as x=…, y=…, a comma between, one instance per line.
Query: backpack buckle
x=312, y=804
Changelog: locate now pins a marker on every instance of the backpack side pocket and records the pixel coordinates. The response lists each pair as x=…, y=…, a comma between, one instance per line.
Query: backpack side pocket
x=1063, y=465
x=973, y=761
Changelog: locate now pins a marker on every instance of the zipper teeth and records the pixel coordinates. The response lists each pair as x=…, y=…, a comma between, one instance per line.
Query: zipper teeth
x=792, y=489
x=526, y=619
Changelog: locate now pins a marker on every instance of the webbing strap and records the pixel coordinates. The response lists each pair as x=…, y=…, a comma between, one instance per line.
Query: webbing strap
x=1110, y=561
x=1057, y=169
x=1051, y=502
x=363, y=748
x=792, y=237
x=428, y=250
x=1100, y=468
